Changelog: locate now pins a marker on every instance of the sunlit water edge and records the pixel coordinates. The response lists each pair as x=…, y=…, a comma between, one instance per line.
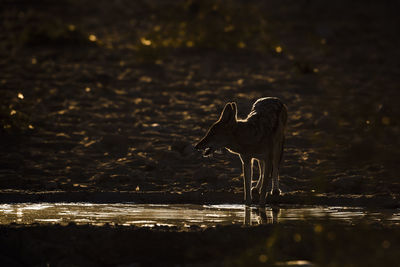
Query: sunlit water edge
x=183, y=215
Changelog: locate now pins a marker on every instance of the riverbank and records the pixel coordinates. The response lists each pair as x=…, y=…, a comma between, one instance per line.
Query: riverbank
x=294, y=198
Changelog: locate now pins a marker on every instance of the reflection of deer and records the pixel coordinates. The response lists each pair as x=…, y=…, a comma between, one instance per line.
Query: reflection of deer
x=259, y=137
x=262, y=217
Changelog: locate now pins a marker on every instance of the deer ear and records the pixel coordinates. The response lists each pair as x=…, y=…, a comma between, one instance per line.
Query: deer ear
x=227, y=114
x=234, y=109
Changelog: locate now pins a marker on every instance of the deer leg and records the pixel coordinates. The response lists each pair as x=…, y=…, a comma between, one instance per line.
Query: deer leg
x=255, y=191
x=247, y=174
x=258, y=185
x=266, y=166
x=277, y=156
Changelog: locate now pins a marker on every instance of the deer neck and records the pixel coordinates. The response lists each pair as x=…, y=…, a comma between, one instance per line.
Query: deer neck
x=237, y=143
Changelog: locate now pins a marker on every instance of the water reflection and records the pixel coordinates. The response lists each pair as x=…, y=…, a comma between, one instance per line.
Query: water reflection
x=183, y=215
x=261, y=215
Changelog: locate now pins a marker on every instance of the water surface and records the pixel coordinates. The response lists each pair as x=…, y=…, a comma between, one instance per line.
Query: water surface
x=183, y=215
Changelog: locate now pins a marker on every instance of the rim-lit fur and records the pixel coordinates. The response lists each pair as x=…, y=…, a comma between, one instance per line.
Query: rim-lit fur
x=259, y=137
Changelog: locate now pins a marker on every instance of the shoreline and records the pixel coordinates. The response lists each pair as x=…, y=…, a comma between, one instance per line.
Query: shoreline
x=205, y=198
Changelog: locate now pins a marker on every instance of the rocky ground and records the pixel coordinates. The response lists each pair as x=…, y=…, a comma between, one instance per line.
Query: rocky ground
x=107, y=96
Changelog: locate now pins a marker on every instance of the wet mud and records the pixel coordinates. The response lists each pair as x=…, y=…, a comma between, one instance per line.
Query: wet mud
x=198, y=197
x=321, y=243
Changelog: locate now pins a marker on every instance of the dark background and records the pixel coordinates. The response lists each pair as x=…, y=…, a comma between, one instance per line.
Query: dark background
x=115, y=93
x=101, y=95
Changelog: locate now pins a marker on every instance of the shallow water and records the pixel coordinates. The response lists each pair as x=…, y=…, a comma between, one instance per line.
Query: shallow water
x=183, y=215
